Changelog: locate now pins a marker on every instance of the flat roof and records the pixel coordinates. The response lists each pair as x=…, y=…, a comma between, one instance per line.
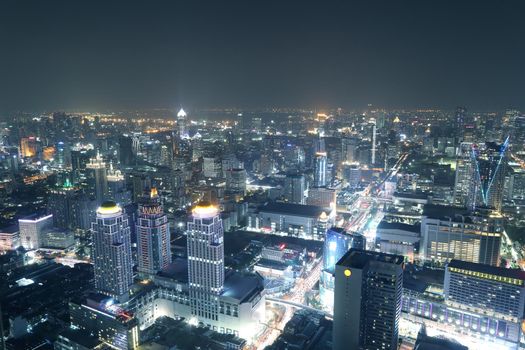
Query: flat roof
x=293, y=209
x=398, y=226
x=444, y=212
x=489, y=269
x=358, y=258
x=241, y=286
x=81, y=337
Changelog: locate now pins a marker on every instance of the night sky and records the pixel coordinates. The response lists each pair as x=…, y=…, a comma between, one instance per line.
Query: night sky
x=397, y=54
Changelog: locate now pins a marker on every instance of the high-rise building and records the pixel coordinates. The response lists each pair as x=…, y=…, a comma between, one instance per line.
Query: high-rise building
x=294, y=188
x=489, y=168
x=205, y=261
x=236, y=181
x=367, y=303
x=320, y=169
x=112, y=251
x=29, y=147
x=153, y=235
x=454, y=233
x=459, y=121
x=126, y=156
x=117, y=190
x=464, y=174
x=486, y=290
x=181, y=124
x=97, y=178
x=32, y=228
x=60, y=205
x=336, y=243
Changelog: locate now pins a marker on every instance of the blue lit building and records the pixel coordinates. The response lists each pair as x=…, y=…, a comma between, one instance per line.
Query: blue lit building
x=337, y=243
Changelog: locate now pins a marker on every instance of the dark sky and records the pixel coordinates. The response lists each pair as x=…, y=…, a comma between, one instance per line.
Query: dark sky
x=143, y=54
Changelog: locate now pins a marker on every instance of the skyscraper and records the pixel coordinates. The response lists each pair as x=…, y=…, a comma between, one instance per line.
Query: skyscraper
x=294, y=187
x=181, y=124
x=489, y=167
x=112, y=251
x=153, y=234
x=464, y=174
x=205, y=261
x=60, y=205
x=97, y=178
x=367, y=307
x=126, y=156
x=320, y=169
x=236, y=181
x=336, y=243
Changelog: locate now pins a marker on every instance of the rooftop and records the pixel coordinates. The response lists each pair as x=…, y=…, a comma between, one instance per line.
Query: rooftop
x=82, y=338
x=358, y=258
x=242, y=287
x=293, y=209
x=398, y=226
x=488, y=269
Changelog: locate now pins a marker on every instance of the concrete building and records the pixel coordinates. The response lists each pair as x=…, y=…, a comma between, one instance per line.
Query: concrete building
x=454, y=233
x=99, y=315
x=306, y=221
x=367, y=306
x=32, y=228
x=294, y=188
x=9, y=238
x=337, y=243
x=97, y=179
x=397, y=238
x=112, y=251
x=153, y=235
x=485, y=289
x=322, y=197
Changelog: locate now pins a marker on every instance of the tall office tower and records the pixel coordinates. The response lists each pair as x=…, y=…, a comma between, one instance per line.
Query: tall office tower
x=294, y=187
x=112, y=251
x=80, y=158
x=29, y=147
x=60, y=205
x=97, y=178
x=62, y=157
x=257, y=124
x=374, y=131
x=464, y=174
x=349, y=149
x=367, y=303
x=153, y=234
x=12, y=158
x=182, y=124
x=205, y=261
x=320, y=169
x=236, y=181
x=336, y=243
x=125, y=150
x=166, y=156
x=455, y=233
x=32, y=228
x=490, y=165
x=485, y=290
x=117, y=190
x=459, y=121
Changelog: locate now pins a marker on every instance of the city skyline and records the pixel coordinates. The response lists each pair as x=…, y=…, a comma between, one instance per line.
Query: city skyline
x=262, y=175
